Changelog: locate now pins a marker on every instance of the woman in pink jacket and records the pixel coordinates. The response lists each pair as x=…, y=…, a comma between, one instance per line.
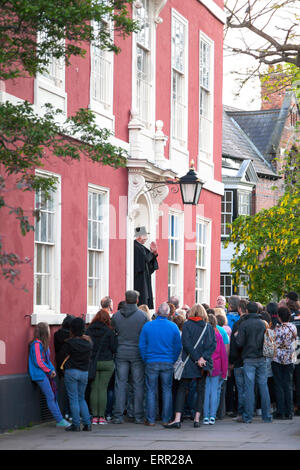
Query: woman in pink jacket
x=218, y=374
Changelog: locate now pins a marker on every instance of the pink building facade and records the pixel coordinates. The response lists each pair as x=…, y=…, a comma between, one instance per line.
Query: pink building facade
x=162, y=99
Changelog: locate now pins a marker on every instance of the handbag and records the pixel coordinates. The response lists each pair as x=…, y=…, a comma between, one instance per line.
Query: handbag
x=64, y=361
x=269, y=346
x=180, y=364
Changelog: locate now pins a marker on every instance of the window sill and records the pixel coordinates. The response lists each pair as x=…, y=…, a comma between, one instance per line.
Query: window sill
x=91, y=314
x=48, y=316
x=103, y=114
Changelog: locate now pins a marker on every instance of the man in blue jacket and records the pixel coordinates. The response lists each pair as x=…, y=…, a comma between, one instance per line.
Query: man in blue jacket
x=160, y=346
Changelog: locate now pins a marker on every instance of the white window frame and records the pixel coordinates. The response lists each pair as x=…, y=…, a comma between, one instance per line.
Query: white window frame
x=242, y=204
x=202, y=295
x=103, y=106
x=147, y=116
x=179, y=142
x=225, y=213
x=49, y=90
x=206, y=123
x=242, y=287
x=50, y=313
x=104, y=284
x=224, y=286
x=178, y=263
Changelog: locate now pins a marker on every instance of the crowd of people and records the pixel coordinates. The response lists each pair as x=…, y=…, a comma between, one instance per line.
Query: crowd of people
x=197, y=363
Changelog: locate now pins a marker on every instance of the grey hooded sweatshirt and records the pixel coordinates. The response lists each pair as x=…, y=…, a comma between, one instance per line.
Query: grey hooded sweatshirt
x=128, y=323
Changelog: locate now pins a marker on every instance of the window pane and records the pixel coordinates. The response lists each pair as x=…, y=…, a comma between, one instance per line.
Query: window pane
x=178, y=41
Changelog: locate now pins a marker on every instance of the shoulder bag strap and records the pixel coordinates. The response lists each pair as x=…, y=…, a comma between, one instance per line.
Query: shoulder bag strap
x=198, y=341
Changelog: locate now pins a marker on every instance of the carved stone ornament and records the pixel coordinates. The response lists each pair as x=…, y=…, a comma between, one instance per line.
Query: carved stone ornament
x=136, y=183
x=158, y=6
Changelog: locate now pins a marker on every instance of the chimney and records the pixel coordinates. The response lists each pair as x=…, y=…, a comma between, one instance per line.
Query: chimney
x=273, y=88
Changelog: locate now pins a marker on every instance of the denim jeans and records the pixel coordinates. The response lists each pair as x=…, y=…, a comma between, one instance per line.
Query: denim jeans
x=283, y=381
x=165, y=371
x=240, y=385
x=76, y=381
x=255, y=370
x=50, y=398
x=212, y=396
x=123, y=368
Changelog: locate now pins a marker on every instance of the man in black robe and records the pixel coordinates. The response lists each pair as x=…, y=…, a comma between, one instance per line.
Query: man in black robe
x=145, y=263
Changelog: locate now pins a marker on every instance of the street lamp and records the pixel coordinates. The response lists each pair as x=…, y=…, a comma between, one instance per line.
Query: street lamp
x=190, y=186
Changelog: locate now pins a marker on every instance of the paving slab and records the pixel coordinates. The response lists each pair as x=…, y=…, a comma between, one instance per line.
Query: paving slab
x=224, y=435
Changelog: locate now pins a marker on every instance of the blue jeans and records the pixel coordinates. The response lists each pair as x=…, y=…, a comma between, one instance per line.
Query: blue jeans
x=123, y=368
x=212, y=396
x=240, y=385
x=76, y=381
x=50, y=398
x=165, y=371
x=255, y=370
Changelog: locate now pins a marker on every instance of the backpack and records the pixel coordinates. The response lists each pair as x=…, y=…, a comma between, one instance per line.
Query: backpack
x=269, y=346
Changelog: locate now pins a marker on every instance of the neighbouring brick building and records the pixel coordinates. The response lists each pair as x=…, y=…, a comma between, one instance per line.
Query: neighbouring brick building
x=254, y=146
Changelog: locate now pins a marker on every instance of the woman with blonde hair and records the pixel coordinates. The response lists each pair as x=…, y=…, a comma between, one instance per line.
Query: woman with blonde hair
x=198, y=363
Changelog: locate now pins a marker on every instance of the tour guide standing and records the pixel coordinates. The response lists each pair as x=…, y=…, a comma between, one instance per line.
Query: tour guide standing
x=250, y=337
x=160, y=346
x=145, y=263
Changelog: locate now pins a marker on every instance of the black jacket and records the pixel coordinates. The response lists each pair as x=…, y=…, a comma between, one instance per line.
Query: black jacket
x=235, y=352
x=104, y=341
x=250, y=336
x=60, y=337
x=79, y=350
x=191, y=332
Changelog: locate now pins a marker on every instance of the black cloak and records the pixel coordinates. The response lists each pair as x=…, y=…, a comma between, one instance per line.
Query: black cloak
x=145, y=263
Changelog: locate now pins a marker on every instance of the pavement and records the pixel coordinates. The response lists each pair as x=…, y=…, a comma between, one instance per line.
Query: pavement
x=224, y=435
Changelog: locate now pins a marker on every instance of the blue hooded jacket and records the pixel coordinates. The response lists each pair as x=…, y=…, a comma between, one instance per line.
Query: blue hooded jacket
x=39, y=364
x=232, y=317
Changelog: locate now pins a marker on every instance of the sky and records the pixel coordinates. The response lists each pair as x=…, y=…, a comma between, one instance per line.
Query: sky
x=248, y=97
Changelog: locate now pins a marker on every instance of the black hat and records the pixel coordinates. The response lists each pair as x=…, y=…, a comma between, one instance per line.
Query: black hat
x=292, y=296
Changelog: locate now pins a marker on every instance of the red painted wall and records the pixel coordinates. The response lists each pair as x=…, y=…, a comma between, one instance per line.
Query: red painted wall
x=15, y=328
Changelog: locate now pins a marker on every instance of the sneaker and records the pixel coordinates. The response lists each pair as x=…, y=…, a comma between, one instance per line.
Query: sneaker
x=117, y=421
x=87, y=427
x=73, y=428
x=139, y=421
x=240, y=420
x=95, y=420
x=108, y=418
x=102, y=421
x=205, y=421
x=212, y=420
x=63, y=424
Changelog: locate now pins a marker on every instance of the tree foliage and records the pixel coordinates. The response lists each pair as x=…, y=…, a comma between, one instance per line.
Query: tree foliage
x=267, y=244
x=32, y=33
x=64, y=27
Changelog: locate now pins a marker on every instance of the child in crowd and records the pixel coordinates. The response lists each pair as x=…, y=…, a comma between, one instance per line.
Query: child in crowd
x=42, y=371
x=215, y=379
